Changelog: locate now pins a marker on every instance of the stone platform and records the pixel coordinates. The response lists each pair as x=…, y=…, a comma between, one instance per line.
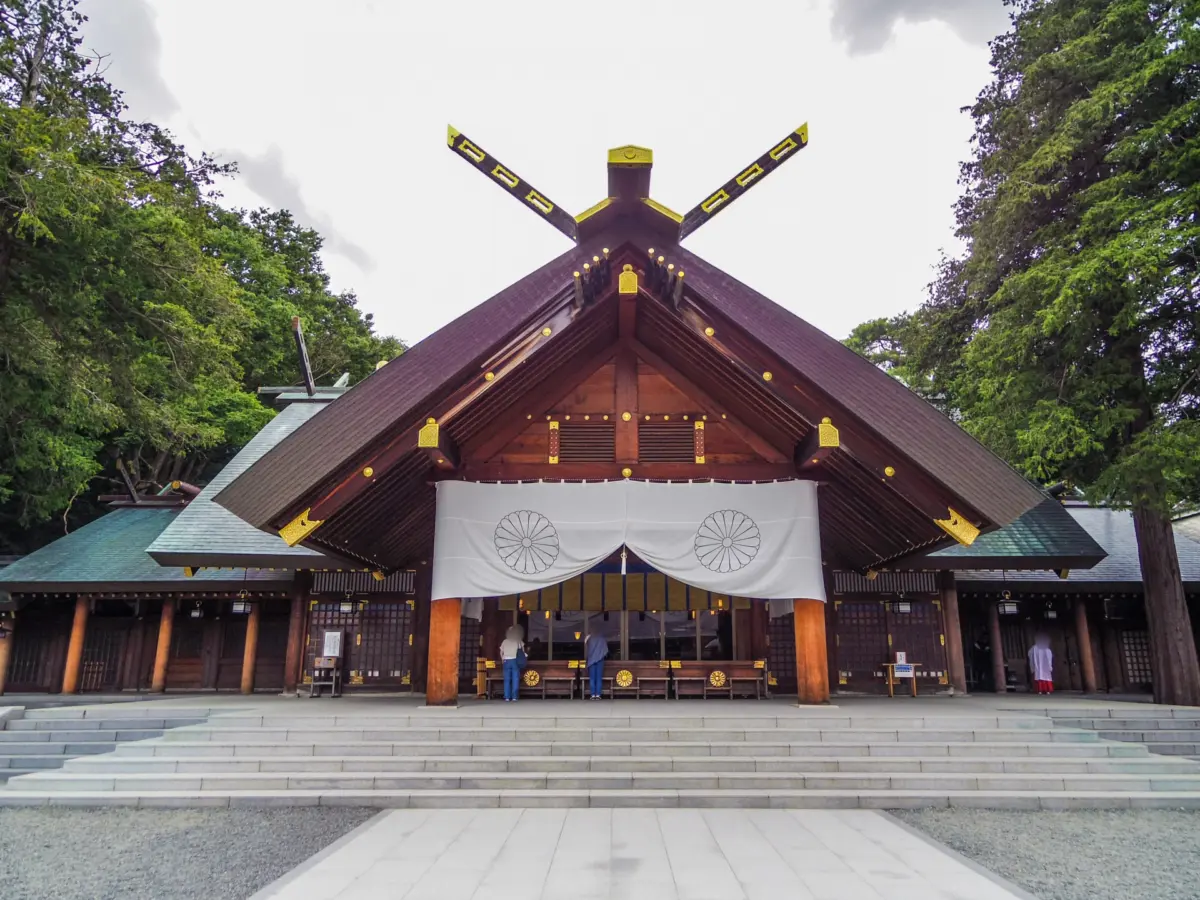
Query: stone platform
x=394, y=752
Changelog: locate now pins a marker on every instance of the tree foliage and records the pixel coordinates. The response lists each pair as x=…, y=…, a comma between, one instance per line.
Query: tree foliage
x=137, y=317
x=1066, y=336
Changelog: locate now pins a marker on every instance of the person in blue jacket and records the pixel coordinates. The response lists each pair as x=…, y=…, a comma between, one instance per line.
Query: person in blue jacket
x=595, y=649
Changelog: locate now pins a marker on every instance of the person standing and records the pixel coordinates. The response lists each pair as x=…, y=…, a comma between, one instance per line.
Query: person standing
x=595, y=650
x=1041, y=664
x=511, y=649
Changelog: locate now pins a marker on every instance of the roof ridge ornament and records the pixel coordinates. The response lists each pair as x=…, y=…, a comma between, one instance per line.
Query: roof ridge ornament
x=628, y=184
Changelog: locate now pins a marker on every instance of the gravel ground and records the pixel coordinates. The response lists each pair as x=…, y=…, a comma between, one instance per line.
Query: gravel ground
x=1078, y=855
x=149, y=854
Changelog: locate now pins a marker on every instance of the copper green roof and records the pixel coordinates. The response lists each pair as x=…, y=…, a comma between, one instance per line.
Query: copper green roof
x=1047, y=537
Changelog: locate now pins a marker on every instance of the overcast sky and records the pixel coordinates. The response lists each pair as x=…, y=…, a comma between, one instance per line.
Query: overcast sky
x=338, y=111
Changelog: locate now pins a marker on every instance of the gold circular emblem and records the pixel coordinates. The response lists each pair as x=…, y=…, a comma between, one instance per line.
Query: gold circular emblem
x=626, y=472
x=717, y=679
x=624, y=678
x=532, y=678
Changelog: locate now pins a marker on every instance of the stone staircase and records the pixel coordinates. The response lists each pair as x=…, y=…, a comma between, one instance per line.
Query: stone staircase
x=617, y=754
x=1169, y=731
x=40, y=739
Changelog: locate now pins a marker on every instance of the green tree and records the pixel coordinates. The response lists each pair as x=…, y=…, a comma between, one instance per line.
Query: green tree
x=137, y=317
x=1067, y=335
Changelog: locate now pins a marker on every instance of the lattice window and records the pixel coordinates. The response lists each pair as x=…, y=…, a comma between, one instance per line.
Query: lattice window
x=862, y=645
x=666, y=441
x=469, y=635
x=187, y=639
x=781, y=653
x=1135, y=648
x=587, y=441
x=384, y=654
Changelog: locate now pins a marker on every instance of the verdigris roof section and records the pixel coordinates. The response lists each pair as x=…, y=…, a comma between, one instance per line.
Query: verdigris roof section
x=109, y=555
x=1046, y=537
x=1113, y=530
x=206, y=534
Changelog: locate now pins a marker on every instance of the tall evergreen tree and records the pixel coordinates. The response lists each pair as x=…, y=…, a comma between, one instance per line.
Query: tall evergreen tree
x=1067, y=335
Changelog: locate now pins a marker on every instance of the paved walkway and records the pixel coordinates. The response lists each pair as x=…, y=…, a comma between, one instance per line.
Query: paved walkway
x=628, y=854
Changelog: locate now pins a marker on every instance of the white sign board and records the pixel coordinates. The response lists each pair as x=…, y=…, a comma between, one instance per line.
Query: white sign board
x=901, y=657
x=333, y=644
x=904, y=670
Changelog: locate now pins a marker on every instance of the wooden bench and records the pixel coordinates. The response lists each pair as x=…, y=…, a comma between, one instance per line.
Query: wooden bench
x=721, y=679
x=550, y=679
x=646, y=678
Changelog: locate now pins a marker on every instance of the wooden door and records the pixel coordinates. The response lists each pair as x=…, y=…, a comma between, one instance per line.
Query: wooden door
x=861, y=643
x=104, y=647
x=381, y=646
x=185, y=665
x=781, y=653
x=233, y=648
x=915, y=628
x=39, y=649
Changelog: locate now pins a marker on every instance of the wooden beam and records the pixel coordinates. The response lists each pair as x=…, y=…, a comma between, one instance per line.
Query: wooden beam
x=158, y=681
x=306, y=372
x=614, y=471
x=952, y=628
x=433, y=440
x=445, y=624
x=626, y=400
x=294, y=655
x=75, y=647
x=812, y=656
x=763, y=448
x=541, y=396
x=250, y=651
x=817, y=447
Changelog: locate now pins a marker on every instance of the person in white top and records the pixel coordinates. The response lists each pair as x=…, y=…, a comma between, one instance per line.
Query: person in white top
x=511, y=649
x=1041, y=664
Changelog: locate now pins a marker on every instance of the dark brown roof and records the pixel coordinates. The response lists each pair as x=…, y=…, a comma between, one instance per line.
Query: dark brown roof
x=312, y=459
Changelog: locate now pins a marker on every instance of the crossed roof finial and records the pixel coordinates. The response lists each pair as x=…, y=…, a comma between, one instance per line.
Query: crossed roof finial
x=628, y=186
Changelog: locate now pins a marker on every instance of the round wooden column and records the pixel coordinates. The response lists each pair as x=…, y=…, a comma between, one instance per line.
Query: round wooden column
x=158, y=681
x=998, y=667
x=812, y=656
x=955, y=663
x=75, y=647
x=6, y=642
x=250, y=653
x=294, y=655
x=1087, y=659
x=445, y=625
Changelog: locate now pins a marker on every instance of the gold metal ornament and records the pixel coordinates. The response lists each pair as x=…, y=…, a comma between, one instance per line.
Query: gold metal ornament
x=368, y=472
x=717, y=679
x=624, y=678
x=767, y=376
x=532, y=678
x=546, y=332
x=626, y=472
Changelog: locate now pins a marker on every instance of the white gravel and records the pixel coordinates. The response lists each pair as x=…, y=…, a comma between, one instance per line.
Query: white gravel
x=148, y=854
x=1078, y=855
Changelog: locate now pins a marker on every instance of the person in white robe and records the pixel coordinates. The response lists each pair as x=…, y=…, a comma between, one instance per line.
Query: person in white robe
x=1041, y=664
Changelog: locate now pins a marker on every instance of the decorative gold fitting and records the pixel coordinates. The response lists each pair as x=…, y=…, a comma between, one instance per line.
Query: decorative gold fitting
x=1064, y=574
x=566, y=418
x=957, y=526
x=553, y=460
x=378, y=576
x=190, y=571
x=428, y=436
x=698, y=425
x=606, y=418
x=554, y=425
x=626, y=472
x=576, y=276
x=889, y=471
x=666, y=418
x=625, y=417
x=709, y=331
x=546, y=332
x=871, y=575
x=767, y=376
x=299, y=528
x=605, y=252
x=587, y=267
x=489, y=376
x=699, y=460
x=596, y=260
x=368, y=472
x=661, y=260
x=827, y=435
x=628, y=282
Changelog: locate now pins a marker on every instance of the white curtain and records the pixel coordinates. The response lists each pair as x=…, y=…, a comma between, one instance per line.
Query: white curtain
x=748, y=540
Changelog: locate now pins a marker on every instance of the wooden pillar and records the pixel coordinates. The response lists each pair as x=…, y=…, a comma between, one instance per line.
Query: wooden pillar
x=1087, y=660
x=422, y=589
x=158, y=681
x=760, y=625
x=75, y=647
x=955, y=662
x=998, y=676
x=1114, y=669
x=250, y=653
x=812, y=659
x=445, y=626
x=293, y=660
x=6, y=642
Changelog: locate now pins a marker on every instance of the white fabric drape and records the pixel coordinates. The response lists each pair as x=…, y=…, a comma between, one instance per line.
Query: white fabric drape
x=748, y=540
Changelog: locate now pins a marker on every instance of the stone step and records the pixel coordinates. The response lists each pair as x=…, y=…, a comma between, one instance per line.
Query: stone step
x=1174, y=736
x=59, y=780
x=74, y=737
x=179, y=746
x=114, y=763
x=47, y=748
x=116, y=710
x=33, y=762
x=1175, y=749
x=1191, y=725
x=137, y=723
x=1144, y=711
x=532, y=722
x=441, y=799
x=623, y=735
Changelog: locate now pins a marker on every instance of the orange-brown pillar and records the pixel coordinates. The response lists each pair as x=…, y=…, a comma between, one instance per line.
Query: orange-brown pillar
x=445, y=624
x=250, y=652
x=158, y=681
x=6, y=642
x=952, y=624
x=293, y=660
x=1087, y=660
x=999, y=676
x=812, y=657
x=75, y=647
